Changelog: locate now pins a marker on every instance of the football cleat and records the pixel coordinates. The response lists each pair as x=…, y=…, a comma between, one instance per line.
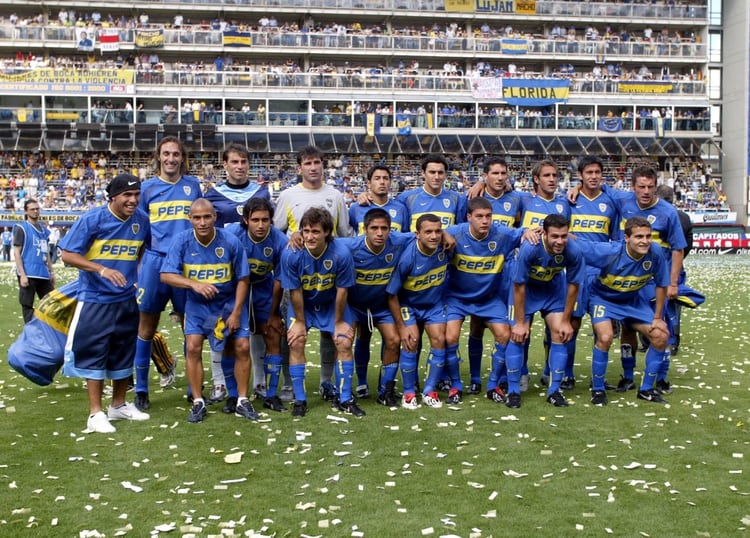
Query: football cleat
x=245, y=409
x=496, y=395
x=274, y=404
x=286, y=394
x=300, y=408
x=513, y=400
x=431, y=399
x=388, y=397
x=409, y=401
x=651, y=395
x=474, y=388
x=599, y=397
x=454, y=397
x=197, y=413
x=568, y=383
x=327, y=391
x=557, y=399
x=218, y=393
x=663, y=386
x=231, y=405
x=362, y=391
x=625, y=384
x=350, y=407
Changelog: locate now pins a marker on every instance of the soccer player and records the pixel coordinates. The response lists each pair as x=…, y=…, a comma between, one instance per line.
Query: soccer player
x=263, y=245
x=432, y=197
x=623, y=270
x=7, y=241
x=475, y=288
x=228, y=198
x=416, y=297
x=290, y=207
x=318, y=277
x=375, y=255
x=105, y=244
x=539, y=285
x=33, y=263
x=166, y=198
x=377, y=196
x=211, y=265
x=594, y=219
x=505, y=211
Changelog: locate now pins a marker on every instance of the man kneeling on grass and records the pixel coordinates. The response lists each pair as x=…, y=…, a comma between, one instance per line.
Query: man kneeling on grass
x=211, y=264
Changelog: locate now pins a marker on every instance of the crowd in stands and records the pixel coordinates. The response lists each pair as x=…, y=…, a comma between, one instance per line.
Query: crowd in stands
x=76, y=181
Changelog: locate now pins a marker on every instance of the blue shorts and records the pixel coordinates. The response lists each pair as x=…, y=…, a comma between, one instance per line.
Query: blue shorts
x=428, y=316
x=207, y=319
x=582, y=301
x=494, y=311
x=260, y=300
x=543, y=300
x=153, y=295
x=376, y=317
x=636, y=310
x=322, y=318
x=101, y=340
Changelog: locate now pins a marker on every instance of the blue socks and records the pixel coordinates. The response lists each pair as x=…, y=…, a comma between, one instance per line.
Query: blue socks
x=272, y=367
x=142, y=363
x=514, y=363
x=599, y=368
x=297, y=373
x=475, y=359
x=452, y=367
x=344, y=372
x=435, y=364
x=408, y=362
x=558, y=356
x=227, y=366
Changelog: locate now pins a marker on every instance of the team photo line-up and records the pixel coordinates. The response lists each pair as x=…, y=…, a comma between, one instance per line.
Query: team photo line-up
x=252, y=277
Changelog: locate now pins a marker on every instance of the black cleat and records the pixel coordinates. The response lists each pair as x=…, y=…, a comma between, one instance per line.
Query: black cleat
x=197, y=413
x=350, y=407
x=474, y=388
x=557, y=399
x=246, y=410
x=625, y=384
x=513, y=400
x=231, y=405
x=444, y=385
x=599, y=397
x=389, y=398
x=141, y=401
x=651, y=395
x=496, y=395
x=300, y=408
x=328, y=392
x=568, y=383
x=663, y=386
x=274, y=403
x=454, y=397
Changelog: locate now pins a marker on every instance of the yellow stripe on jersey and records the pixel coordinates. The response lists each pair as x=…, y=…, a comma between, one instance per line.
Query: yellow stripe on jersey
x=373, y=277
x=259, y=267
x=425, y=281
x=543, y=274
x=532, y=219
x=318, y=282
x=210, y=273
x=478, y=264
x=656, y=238
x=589, y=223
x=446, y=218
x=114, y=249
x=625, y=283
x=171, y=210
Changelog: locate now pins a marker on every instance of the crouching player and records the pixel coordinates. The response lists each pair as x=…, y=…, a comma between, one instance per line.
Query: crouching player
x=263, y=245
x=318, y=277
x=625, y=268
x=211, y=264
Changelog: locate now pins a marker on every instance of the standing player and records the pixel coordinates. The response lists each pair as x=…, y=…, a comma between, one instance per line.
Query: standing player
x=105, y=244
x=210, y=263
x=432, y=197
x=33, y=263
x=539, y=285
x=290, y=207
x=317, y=278
x=416, y=299
x=166, y=198
x=375, y=255
x=263, y=245
x=623, y=270
x=594, y=219
x=475, y=288
x=228, y=198
x=7, y=240
x=377, y=196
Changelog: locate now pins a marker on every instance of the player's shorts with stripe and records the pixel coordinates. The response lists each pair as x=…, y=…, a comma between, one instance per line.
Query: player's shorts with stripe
x=636, y=310
x=545, y=300
x=153, y=295
x=493, y=311
x=101, y=340
x=320, y=317
x=365, y=317
x=202, y=318
x=429, y=316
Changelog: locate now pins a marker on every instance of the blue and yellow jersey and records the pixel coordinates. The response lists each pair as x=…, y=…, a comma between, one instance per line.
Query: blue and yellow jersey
x=539, y=269
x=263, y=256
x=419, y=202
x=535, y=208
x=373, y=271
x=505, y=208
x=168, y=207
x=476, y=265
x=222, y=263
x=399, y=222
x=666, y=230
x=318, y=277
x=101, y=236
x=420, y=279
x=620, y=275
x=594, y=219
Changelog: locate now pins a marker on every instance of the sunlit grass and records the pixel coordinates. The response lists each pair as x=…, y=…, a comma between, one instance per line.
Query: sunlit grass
x=478, y=469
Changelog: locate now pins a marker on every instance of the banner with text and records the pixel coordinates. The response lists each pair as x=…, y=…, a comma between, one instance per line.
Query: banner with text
x=645, y=86
x=101, y=81
x=522, y=7
x=535, y=92
x=149, y=39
